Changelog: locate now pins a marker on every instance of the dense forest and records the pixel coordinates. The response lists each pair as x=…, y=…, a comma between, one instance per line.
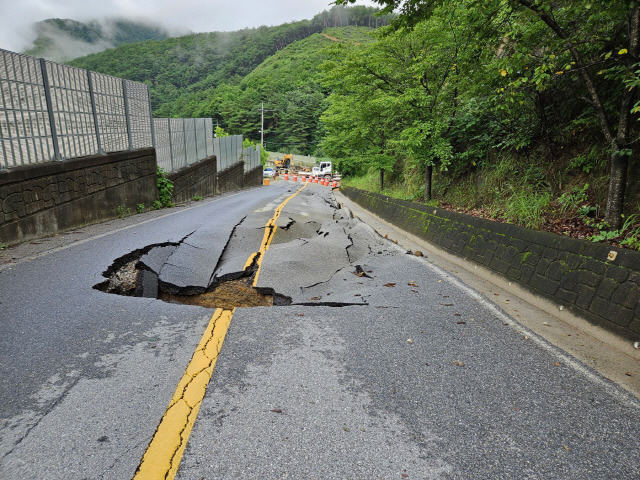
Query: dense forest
x=518, y=110
x=179, y=69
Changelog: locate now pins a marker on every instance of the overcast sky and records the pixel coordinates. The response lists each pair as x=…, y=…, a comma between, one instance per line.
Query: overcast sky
x=17, y=16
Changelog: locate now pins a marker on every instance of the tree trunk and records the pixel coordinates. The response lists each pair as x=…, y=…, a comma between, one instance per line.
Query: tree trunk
x=617, y=185
x=428, y=182
x=619, y=142
x=381, y=179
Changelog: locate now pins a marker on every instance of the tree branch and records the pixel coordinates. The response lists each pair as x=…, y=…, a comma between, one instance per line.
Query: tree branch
x=586, y=75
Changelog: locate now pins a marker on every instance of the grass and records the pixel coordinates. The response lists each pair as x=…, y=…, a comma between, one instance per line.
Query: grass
x=371, y=182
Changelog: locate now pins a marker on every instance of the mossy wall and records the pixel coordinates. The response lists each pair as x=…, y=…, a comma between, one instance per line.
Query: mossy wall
x=598, y=282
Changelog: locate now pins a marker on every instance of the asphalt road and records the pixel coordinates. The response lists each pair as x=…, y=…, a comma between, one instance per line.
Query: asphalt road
x=382, y=365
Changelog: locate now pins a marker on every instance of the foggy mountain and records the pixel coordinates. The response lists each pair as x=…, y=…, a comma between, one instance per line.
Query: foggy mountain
x=61, y=40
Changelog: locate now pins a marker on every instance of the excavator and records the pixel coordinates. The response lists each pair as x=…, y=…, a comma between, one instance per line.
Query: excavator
x=284, y=163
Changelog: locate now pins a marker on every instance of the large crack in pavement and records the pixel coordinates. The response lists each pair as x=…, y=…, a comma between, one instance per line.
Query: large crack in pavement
x=147, y=272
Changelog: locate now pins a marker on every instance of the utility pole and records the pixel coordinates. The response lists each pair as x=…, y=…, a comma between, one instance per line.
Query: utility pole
x=262, y=110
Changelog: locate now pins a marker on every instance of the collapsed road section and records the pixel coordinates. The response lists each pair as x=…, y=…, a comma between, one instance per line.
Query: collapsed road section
x=209, y=267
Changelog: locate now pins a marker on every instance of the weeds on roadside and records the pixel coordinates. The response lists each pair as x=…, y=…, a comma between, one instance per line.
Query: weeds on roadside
x=576, y=201
x=123, y=211
x=165, y=190
x=140, y=207
x=197, y=198
x=628, y=234
x=528, y=209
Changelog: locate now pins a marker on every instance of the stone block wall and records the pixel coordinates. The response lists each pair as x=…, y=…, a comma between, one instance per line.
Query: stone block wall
x=197, y=180
x=42, y=199
x=598, y=282
x=253, y=178
x=231, y=179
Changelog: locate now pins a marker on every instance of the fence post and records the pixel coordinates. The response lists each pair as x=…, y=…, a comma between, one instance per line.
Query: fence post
x=195, y=135
x=52, y=120
x=95, y=112
x=153, y=125
x=170, y=144
x=184, y=136
x=126, y=112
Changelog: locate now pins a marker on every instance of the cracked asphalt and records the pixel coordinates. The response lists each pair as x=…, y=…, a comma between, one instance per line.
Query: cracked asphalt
x=383, y=366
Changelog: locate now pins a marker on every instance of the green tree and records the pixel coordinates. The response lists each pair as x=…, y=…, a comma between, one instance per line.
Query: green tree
x=582, y=39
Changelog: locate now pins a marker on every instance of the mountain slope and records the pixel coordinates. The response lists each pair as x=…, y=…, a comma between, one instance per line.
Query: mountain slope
x=288, y=84
x=172, y=65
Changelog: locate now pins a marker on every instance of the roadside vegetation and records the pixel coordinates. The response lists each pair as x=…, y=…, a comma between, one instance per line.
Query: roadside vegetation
x=516, y=110
x=522, y=111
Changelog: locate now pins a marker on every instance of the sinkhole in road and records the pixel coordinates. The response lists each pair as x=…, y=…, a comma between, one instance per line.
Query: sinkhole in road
x=133, y=275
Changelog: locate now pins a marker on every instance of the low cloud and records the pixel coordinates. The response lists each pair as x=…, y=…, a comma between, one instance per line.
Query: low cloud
x=18, y=17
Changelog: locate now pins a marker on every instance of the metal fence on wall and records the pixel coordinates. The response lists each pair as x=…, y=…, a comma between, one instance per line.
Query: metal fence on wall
x=50, y=111
x=251, y=158
x=182, y=141
x=228, y=150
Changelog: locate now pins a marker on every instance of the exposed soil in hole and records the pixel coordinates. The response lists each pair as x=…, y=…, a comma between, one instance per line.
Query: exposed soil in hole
x=227, y=295
x=128, y=276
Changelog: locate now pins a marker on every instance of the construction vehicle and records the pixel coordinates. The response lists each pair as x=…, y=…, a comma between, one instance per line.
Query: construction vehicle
x=322, y=170
x=284, y=163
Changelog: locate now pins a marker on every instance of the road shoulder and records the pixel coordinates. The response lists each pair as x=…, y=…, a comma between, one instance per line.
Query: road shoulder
x=613, y=357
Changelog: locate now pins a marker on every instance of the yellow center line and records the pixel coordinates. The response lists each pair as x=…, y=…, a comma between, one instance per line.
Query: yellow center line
x=164, y=453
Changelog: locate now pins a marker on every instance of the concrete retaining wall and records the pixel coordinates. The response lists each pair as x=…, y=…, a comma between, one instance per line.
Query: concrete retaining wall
x=253, y=178
x=231, y=179
x=596, y=281
x=197, y=180
x=42, y=199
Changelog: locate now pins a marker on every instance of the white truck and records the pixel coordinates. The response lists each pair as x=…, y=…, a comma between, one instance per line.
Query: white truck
x=322, y=170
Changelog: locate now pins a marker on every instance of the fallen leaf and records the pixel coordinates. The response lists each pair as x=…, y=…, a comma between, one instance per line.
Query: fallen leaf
x=418, y=254
x=315, y=298
x=346, y=429
x=457, y=314
x=404, y=475
x=447, y=304
x=409, y=341
x=416, y=291
x=459, y=364
x=412, y=284
x=546, y=323
x=389, y=285
x=628, y=374
x=300, y=314
x=276, y=410
x=556, y=364
x=566, y=448
x=461, y=322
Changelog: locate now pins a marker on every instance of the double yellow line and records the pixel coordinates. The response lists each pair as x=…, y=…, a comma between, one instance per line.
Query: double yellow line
x=164, y=453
